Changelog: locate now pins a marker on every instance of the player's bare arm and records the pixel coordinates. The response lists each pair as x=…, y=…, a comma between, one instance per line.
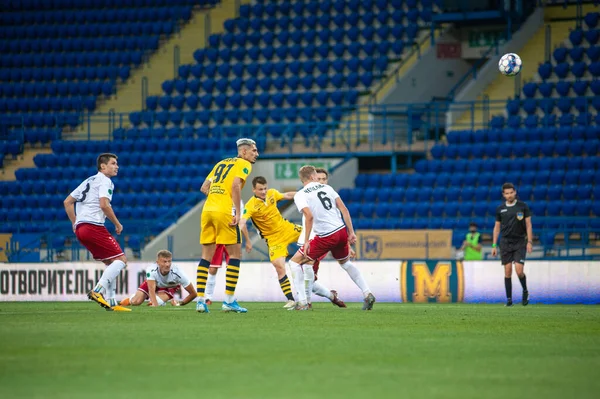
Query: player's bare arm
x=347, y=219
x=205, y=187
x=529, y=234
x=110, y=214
x=289, y=195
x=69, y=204
x=152, y=293
x=246, y=234
x=191, y=294
x=309, y=219
x=495, y=238
x=236, y=197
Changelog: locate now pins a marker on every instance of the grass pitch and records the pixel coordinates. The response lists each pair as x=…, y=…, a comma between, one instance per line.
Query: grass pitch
x=78, y=350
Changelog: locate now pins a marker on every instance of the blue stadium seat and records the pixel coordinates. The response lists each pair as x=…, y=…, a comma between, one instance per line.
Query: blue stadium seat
x=382, y=210
x=538, y=208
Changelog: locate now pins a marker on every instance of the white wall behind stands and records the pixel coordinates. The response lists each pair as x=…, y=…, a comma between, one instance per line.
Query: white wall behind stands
x=428, y=78
x=390, y=281
x=489, y=71
x=280, y=174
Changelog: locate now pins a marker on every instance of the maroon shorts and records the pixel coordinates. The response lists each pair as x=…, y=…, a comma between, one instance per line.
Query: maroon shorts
x=98, y=241
x=217, y=260
x=169, y=291
x=336, y=243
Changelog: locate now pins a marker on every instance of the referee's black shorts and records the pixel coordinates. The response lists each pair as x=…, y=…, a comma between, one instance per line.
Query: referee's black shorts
x=513, y=251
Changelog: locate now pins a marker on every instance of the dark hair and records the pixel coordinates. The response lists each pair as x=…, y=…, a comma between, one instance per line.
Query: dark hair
x=507, y=186
x=473, y=224
x=258, y=180
x=321, y=170
x=104, y=158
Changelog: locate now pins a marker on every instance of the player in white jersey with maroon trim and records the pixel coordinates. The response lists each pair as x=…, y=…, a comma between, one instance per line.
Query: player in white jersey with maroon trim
x=88, y=206
x=322, y=206
x=318, y=288
x=163, y=279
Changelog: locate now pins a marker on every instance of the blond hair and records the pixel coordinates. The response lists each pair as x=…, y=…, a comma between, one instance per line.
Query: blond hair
x=163, y=253
x=306, y=172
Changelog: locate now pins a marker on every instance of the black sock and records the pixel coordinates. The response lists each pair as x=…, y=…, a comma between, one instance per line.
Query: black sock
x=508, y=287
x=286, y=287
x=202, y=276
x=523, y=281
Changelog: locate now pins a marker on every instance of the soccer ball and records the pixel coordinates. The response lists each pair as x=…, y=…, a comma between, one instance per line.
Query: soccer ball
x=510, y=64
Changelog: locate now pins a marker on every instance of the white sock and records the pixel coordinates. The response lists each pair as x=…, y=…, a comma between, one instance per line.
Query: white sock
x=159, y=301
x=321, y=290
x=210, y=286
x=111, y=291
x=110, y=274
x=309, y=280
x=357, y=277
x=229, y=298
x=298, y=276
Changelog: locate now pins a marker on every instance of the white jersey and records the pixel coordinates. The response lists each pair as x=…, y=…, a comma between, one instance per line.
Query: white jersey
x=310, y=237
x=88, y=194
x=320, y=199
x=175, y=277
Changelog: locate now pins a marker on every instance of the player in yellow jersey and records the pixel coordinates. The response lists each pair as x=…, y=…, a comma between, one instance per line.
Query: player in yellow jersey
x=278, y=232
x=220, y=219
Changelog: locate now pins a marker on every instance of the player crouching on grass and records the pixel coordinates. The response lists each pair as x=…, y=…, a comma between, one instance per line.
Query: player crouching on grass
x=162, y=280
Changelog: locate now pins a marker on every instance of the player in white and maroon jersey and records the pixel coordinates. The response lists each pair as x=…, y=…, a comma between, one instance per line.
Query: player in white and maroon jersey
x=88, y=206
x=163, y=279
x=318, y=288
x=326, y=214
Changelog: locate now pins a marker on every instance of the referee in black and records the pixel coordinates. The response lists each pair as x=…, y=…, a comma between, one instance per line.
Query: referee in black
x=513, y=220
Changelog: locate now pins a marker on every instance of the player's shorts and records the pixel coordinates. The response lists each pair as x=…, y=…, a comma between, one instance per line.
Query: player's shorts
x=336, y=243
x=98, y=241
x=513, y=252
x=301, y=237
x=278, y=245
x=217, y=260
x=169, y=291
x=215, y=229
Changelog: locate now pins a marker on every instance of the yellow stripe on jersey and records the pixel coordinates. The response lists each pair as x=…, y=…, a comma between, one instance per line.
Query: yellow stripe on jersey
x=221, y=177
x=265, y=215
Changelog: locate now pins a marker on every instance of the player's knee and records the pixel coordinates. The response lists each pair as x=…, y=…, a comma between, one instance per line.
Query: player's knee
x=137, y=301
x=278, y=264
x=122, y=258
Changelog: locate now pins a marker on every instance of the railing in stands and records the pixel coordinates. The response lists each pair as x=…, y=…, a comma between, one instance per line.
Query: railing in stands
x=564, y=242
x=365, y=130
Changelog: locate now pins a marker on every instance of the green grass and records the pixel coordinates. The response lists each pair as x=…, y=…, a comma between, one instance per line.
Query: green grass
x=77, y=350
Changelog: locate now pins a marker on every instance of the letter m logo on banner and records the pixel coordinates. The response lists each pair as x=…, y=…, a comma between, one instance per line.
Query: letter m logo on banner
x=432, y=281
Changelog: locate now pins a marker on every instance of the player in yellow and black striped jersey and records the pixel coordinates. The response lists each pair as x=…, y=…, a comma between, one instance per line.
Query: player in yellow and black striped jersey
x=220, y=220
x=277, y=231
